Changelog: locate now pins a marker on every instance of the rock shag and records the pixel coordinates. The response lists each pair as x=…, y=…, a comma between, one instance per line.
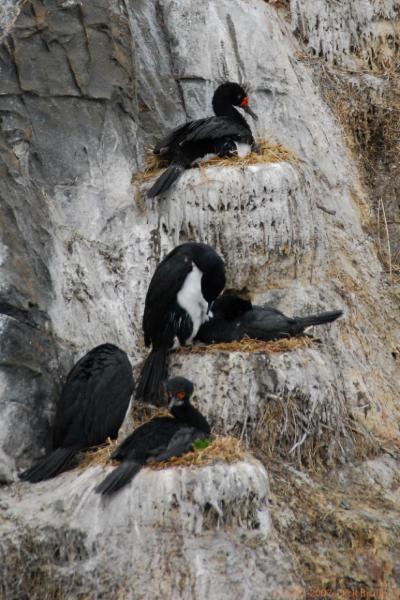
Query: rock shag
x=160, y=438
x=235, y=318
x=225, y=134
x=178, y=300
x=92, y=407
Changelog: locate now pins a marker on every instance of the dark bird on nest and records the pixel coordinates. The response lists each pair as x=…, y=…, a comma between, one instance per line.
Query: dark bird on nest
x=235, y=318
x=226, y=134
x=178, y=300
x=159, y=439
x=92, y=407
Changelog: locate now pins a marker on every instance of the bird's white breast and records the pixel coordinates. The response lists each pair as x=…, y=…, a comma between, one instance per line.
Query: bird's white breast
x=243, y=149
x=190, y=298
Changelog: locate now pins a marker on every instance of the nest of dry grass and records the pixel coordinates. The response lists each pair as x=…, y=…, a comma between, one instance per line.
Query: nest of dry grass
x=221, y=449
x=99, y=455
x=251, y=346
x=269, y=152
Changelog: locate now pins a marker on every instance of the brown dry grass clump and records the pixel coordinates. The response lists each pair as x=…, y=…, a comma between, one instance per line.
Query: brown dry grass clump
x=225, y=449
x=249, y=345
x=309, y=437
x=270, y=152
x=345, y=519
x=370, y=117
x=221, y=449
x=99, y=455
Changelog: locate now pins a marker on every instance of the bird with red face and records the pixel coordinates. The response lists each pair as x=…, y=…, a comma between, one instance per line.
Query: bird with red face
x=225, y=134
x=159, y=439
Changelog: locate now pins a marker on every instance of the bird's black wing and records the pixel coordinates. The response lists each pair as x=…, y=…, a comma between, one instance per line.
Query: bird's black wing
x=108, y=394
x=266, y=323
x=68, y=428
x=173, y=137
x=211, y=128
x=219, y=331
x=230, y=306
x=145, y=438
x=258, y=323
x=161, y=295
x=94, y=399
x=181, y=442
x=216, y=127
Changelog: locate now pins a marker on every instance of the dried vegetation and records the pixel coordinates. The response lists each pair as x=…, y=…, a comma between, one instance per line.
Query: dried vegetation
x=368, y=109
x=269, y=152
x=308, y=436
x=248, y=345
x=345, y=534
x=221, y=448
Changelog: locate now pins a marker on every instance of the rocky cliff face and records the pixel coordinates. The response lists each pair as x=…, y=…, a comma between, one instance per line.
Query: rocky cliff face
x=84, y=89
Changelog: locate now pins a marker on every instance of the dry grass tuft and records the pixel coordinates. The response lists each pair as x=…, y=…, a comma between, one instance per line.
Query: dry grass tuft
x=370, y=119
x=99, y=455
x=249, y=345
x=345, y=519
x=221, y=449
x=270, y=152
x=310, y=436
x=225, y=449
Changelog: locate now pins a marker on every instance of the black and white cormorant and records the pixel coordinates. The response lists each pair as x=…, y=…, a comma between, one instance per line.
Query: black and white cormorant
x=92, y=407
x=180, y=293
x=235, y=318
x=159, y=439
x=226, y=134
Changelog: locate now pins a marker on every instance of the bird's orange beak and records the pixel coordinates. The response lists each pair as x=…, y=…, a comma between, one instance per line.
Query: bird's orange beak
x=244, y=105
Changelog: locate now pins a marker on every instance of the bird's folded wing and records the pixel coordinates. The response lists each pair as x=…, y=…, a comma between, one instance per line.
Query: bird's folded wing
x=211, y=128
x=163, y=289
x=214, y=128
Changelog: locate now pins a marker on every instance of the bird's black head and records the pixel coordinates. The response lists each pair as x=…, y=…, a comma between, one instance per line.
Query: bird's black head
x=230, y=306
x=213, y=269
x=231, y=94
x=179, y=390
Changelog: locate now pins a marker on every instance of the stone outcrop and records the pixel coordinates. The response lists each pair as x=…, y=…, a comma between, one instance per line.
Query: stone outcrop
x=85, y=89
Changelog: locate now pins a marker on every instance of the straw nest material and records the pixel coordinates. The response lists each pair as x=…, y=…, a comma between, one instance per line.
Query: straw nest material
x=249, y=345
x=269, y=152
x=225, y=449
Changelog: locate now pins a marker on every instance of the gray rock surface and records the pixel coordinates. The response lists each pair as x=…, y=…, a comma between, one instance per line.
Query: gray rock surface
x=358, y=31
x=84, y=88
x=178, y=533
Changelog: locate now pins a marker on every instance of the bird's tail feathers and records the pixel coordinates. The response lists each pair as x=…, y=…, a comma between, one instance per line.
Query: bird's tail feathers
x=166, y=179
x=153, y=373
x=50, y=465
x=118, y=478
x=320, y=319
